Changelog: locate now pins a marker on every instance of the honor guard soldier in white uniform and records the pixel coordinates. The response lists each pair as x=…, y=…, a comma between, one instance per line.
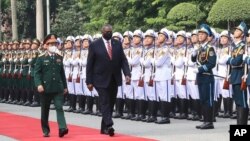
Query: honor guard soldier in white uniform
x=90, y=95
x=76, y=69
x=162, y=76
x=170, y=45
x=69, y=43
x=192, y=87
x=119, y=105
x=205, y=57
x=223, y=55
x=179, y=62
x=146, y=77
x=136, y=70
x=214, y=42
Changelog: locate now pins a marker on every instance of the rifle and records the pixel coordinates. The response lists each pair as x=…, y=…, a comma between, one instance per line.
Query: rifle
x=4, y=69
x=70, y=73
x=78, y=79
x=173, y=70
x=28, y=75
x=21, y=68
x=184, y=80
x=226, y=82
x=151, y=79
x=141, y=79
x=130, y=67
x=10, y=66
x=243, y=85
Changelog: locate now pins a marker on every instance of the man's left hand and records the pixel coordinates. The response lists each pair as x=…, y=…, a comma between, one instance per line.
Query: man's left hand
x=65, y=91
x=128, y=80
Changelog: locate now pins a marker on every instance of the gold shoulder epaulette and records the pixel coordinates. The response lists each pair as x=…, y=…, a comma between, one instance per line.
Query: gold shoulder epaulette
x=42, y=54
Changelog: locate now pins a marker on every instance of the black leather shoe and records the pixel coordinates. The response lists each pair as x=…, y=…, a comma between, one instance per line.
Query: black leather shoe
x=199, y=126
x=109, y=131
x=63, y=132
x=46, y=135
x=206, y=125
x=164, y=120
x=26, y=104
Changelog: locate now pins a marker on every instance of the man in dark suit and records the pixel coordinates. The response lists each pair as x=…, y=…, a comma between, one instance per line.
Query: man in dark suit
x=50, y=80
x=105, y=61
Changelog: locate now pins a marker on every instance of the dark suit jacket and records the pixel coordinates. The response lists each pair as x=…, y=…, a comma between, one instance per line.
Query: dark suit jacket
x=99, y=66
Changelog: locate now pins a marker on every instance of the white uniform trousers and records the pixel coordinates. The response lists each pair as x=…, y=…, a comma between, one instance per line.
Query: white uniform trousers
x=138, y=92
x=164, y=90
x=128, y=91
x=181, y=90
x=120, y=92
x=192, y=89
x=173, y=88
x=71, y=87
x=78, y=87
x=216, y=89
x=223, y=92
x=150, y=92
x=86, y=90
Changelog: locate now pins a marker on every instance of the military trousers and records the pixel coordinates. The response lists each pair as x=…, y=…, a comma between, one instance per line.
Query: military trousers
x=240, y=96
x=206, y=93
x=45, y=99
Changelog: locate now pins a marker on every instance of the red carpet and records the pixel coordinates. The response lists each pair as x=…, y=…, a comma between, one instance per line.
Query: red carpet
x=29, y=129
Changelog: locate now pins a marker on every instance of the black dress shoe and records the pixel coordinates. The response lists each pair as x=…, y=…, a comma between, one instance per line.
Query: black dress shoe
x=63, y=132
x=46, y=135
x=206, y=125
x=26, y=104
x=199, y=126
x=109, y=131
x=35, y=104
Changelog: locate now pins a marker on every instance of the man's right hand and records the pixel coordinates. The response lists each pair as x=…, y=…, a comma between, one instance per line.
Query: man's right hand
x=40, y=89
x=90, y=87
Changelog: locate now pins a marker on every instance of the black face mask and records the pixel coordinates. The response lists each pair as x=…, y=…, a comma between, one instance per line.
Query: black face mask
x=107, y=35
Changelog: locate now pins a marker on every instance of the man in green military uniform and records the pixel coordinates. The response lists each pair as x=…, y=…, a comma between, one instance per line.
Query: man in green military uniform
x=50, y=81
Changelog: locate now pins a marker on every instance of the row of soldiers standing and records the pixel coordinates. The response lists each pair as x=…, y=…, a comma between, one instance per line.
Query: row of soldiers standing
x=17, y=72
x=168, y=70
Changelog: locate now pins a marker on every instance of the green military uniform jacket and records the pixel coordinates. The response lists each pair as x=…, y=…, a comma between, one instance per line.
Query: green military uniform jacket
x=49, y=73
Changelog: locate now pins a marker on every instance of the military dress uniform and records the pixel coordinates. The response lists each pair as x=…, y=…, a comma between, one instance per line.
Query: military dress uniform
x=237, y=71
x=67, y=61
x=49, y=73
x=192, y=87
x=134, y=62
x=148, y=94
x=205, y=57
x=223, y=55
x=124, y=89
x=162, y=78
x=181, y=90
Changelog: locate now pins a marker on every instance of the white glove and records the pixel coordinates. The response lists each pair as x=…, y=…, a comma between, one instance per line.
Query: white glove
x=141, y=60
x=195, y=52
x=152, y=60
x=185, y=60
x=196, y=70
x=29, y=60
x=244, y=57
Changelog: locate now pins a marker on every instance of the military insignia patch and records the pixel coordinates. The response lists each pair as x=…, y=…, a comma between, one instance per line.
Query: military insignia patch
x=58, y=60
x=211, y=53
x=241, y=51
